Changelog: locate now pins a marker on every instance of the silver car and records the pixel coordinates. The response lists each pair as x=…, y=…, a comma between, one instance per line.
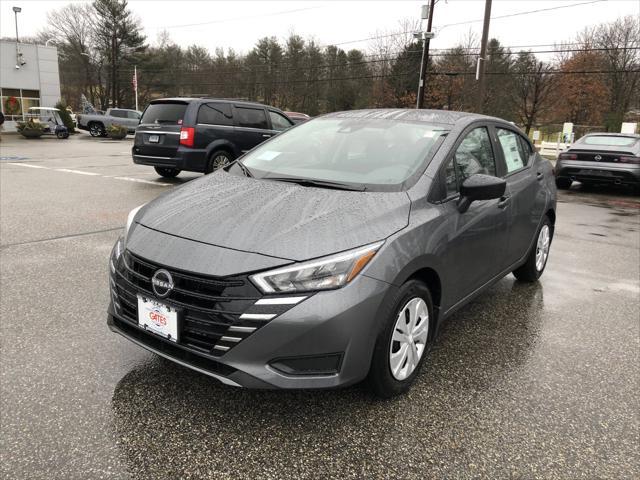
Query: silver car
x=333, y=252
x=612, y=158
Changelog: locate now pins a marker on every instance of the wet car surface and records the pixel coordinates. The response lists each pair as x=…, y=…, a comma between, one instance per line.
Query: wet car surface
x=528, y=381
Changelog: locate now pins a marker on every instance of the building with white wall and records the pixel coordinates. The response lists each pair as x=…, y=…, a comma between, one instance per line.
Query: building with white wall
x=35, y=84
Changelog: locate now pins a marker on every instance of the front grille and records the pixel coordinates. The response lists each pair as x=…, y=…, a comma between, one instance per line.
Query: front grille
x=209, y=305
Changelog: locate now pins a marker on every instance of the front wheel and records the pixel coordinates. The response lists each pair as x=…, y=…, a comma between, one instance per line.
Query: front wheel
x=404, y=341
x=167, y=172
x=532, y=269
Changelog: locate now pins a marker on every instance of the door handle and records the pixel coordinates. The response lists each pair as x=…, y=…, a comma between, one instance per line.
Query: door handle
x=266, y=135
x=504, y=201
x=539, y=176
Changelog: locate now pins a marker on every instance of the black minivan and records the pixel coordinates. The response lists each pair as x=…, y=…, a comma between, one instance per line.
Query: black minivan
x=202, y=134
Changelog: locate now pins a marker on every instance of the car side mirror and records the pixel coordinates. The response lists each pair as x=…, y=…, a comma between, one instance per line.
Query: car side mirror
x=480, y=187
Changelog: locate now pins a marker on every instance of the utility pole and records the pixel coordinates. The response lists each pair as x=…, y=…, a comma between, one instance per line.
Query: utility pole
x=426, y=36
x=482, y=59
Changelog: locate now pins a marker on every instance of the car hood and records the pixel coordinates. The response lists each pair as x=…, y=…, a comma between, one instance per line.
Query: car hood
x=274, y=218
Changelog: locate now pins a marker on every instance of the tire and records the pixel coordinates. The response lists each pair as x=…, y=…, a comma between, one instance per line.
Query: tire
x=218, y=159
x=563, y=183
x=96, y=129
x=62, y=135
x=388, y=377
x=533, y=268
x=167, y=172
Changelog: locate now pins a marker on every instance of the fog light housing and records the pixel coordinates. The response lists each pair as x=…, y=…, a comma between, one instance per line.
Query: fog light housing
x=309, y=364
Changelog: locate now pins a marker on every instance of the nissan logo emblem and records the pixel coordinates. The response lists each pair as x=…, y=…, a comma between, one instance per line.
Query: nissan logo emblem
x=162, y=283
x=598, y=158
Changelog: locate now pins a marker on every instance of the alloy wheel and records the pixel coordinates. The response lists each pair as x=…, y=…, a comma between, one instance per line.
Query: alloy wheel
x=409, y=338
x=542, y=247
x=220, y=160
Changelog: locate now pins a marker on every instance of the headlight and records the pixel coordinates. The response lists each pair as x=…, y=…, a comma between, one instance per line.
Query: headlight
x=115, y=254
x=330, y=272
x=132, y=215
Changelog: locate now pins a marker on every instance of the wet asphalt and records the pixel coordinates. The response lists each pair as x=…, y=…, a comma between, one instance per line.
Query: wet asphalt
x=528, y=381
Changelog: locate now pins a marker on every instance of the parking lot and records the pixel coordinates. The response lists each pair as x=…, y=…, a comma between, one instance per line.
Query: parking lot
x=528, y=381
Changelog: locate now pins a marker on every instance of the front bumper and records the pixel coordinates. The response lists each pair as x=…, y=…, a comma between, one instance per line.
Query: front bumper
x=337, y=327
x=614, y=173
x=190, y=160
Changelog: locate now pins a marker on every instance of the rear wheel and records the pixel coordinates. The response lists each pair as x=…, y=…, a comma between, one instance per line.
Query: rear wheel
x=532, y=269
x=96, y=129
x=218, y=159
x=404, y=341
x=167, y=172
x=563, y=183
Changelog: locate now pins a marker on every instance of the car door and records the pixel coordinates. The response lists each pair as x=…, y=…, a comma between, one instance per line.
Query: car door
x=525, y=205
x=479, y=237
x=252, y=127
x=133, y=119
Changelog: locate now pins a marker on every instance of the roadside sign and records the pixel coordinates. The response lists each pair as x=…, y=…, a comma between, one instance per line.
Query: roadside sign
x=629, y=127
x=536, y=135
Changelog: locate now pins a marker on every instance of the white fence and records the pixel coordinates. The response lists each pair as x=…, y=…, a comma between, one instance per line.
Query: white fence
x=552, y=149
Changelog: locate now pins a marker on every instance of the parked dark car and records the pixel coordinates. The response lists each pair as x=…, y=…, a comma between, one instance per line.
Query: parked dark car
x=202, y=134
x=334, y=251
x=612, y=158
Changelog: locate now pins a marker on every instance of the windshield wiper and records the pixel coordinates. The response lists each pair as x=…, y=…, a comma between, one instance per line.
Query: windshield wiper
x=244, y=168
x=309, y=182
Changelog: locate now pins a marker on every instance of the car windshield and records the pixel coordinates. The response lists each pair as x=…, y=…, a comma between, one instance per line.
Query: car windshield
x=367, y=152
x=171, y=113
x=609, y=140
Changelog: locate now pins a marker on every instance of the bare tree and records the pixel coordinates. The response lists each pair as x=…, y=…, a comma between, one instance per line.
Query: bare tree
x=532, y=88
x=620, y=41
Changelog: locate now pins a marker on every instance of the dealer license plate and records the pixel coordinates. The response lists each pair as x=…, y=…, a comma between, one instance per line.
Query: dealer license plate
x=154, y=138
x=158, y=318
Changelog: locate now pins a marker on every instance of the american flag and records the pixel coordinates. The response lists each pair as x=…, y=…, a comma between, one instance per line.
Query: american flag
x=134, y=82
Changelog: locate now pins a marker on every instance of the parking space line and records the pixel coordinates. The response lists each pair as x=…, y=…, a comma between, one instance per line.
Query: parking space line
x=93, y=174
x=79, y=172
x=140, y=180
x=26, y=165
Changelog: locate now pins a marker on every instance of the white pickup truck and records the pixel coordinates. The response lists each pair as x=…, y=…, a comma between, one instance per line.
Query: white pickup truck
x=97, y=123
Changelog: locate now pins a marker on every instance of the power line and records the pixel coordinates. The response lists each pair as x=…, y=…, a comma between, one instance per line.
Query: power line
x=363, y=77
x=467, y=22
x=523, y=13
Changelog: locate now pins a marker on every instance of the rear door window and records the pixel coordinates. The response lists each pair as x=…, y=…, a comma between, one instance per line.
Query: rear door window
x=512, y=149
x=252, y=117
x=215, y=114
x=118, y=113
x=164, y=113
x=279, y=122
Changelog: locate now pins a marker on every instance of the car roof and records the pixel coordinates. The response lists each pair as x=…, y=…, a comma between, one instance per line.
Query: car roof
x=611, y=134
x=208, y=99
x=44, y=108
x=446, y=117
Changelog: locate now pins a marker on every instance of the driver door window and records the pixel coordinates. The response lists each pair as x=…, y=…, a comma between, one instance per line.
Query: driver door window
x=475, y=155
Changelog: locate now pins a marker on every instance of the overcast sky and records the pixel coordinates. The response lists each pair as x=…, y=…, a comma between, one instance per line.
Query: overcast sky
x=239, y=24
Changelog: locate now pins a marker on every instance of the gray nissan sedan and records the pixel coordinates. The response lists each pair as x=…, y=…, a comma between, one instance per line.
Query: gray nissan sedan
x=333, y=252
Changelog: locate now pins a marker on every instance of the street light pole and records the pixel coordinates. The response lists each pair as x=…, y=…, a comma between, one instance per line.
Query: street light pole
x=16, y=11
x=426, y=36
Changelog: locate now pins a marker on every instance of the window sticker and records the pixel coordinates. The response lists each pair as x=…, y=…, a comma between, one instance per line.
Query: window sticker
x=268, y=155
